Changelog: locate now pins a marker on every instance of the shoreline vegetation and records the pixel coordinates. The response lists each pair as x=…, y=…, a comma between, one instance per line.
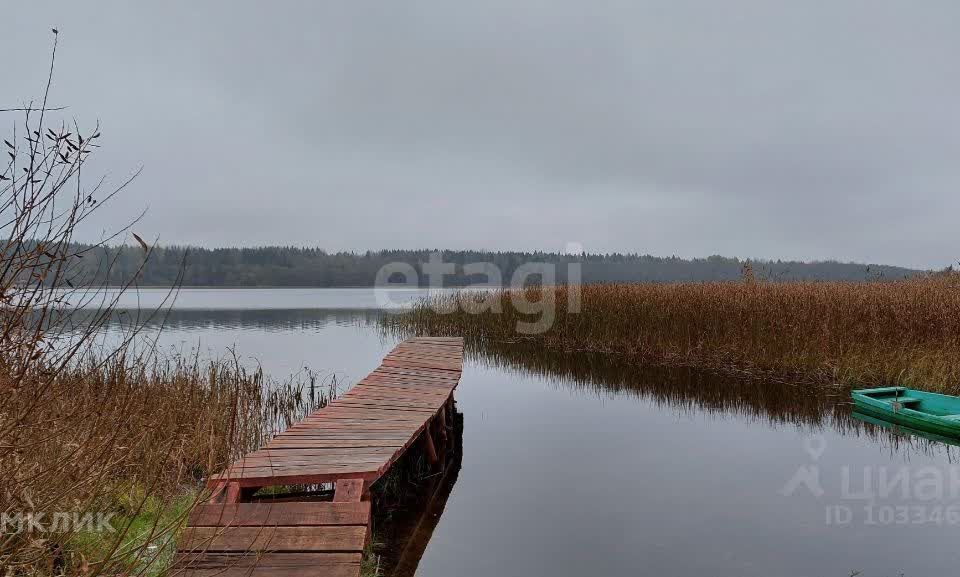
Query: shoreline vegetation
x=131, y=438
x=822, y=334
x=105, y=444
x=289, y=267
x=103, y=447
x=117, y=431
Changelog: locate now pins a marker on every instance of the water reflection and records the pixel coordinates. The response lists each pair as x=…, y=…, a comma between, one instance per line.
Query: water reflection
x=679, y=388
x=578, y=464
x=404, y=527
x=901, y=432
x=682, y=389
x=277, y=320
x=775, y=403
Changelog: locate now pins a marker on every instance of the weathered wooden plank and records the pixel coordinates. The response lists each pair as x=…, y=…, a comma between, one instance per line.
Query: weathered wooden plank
x=434, y=371
x=414, y=386
x=427, y=375
x=418, y=364
x=339, y=442
x=311, y=477
x=431, y=348
x=421, y=361
x=388, y=393
x=423, y=353
x=398, y=404
x=346, y=407
x=398, y=391
x=407, y=392
x=369, y=413
x=458, y=341
x=285, y=462
x=251, y=564
x=345, y=435
x=302, y=467
x=394, y=404
x=321, y=452
x=342, y=538
x=370, y=426
x=362, y=434
x=408, y=389
x=306, y=470
x=373, y=397
x=416, y=382
x=351, y=429
x=422, y=357
x=366, y=414
x=319, y=425
x=289, y=514
x=313, y=457
x=322, y=473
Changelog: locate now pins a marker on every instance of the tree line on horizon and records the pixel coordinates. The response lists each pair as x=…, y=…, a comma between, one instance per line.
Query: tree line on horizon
x=279, y=266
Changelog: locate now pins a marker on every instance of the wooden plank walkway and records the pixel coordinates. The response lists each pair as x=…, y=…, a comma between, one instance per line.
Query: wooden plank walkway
x=352, y=442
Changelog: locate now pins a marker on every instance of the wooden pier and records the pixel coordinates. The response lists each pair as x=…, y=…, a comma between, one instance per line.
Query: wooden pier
x=351, y=443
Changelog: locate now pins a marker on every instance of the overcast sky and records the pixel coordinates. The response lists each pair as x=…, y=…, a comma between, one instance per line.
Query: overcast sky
x=805, y=130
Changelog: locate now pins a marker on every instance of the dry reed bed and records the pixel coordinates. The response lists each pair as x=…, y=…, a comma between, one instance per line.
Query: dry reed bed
x=822, y=333
x=127, y=437
x=89, y=428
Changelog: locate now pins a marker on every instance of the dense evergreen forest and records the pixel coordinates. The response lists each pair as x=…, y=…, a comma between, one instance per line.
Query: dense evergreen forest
x=310, y=267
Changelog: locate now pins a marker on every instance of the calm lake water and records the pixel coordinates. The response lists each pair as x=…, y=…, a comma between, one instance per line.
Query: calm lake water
x=575, y=466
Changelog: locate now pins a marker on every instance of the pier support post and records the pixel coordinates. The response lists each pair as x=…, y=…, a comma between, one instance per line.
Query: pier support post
x=348, y=491
x=443, y=426
x=230, y=493
x=432, y=457
x=233, y=493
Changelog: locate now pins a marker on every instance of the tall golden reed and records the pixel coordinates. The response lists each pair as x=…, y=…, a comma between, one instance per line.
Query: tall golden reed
x=868, y=333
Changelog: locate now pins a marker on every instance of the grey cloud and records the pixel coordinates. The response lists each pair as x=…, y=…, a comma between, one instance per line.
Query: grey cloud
x=817, y=129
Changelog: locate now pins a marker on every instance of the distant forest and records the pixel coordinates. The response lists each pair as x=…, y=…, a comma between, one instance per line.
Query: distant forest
x=309, y=267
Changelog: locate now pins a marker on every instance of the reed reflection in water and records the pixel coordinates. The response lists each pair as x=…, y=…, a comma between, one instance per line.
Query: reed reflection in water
x=775, y=403
x=575, y=463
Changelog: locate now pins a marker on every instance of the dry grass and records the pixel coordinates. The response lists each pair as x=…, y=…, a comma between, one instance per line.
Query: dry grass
x=130, y=438
x=817, y=332
x=87, y=428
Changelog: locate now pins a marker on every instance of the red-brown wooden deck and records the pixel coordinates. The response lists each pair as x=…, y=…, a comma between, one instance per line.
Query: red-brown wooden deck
x=352, y=442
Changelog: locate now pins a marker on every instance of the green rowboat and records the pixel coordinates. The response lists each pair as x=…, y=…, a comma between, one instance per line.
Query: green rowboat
x=930, y=412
